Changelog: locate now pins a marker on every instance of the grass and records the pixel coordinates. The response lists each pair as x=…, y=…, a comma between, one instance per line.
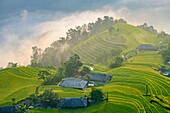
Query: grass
x=17, y=83
x=126, y=90
x=97, y=49
x=149, y=58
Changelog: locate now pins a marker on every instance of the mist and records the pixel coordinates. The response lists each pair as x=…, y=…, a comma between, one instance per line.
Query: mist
x=19, y=33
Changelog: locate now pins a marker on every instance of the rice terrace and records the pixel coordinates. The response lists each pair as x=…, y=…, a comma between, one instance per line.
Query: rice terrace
x=104, y=66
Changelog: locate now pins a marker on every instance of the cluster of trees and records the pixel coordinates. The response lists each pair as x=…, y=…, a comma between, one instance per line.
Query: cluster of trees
x=47, y=99
x=70, y=68
x=166, y=54
x=116, y=62
x=50, y=99
x=148, y=28
x=11, y=65
x=59, y=51
x=152, y=30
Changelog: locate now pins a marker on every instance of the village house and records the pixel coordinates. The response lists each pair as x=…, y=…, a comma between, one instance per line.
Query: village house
x=148, y=47
x=100, y=77
x=164, y=71
x=72, y=103
x=73, y=83
x=8, y=109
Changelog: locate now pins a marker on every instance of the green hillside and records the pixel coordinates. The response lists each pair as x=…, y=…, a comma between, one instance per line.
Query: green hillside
x=148, y=58
x=127, y=89
x=97, y=49
x=18, y=83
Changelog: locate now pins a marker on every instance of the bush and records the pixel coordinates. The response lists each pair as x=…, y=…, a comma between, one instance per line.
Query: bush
x=49, y=98
x=96, y=94
x=118, y=62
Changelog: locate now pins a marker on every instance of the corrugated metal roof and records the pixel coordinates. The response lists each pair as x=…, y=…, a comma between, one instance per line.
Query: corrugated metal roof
x=8, y=109
x=73, y=83
x=72, y=103
x=147, y=47
x=100, y=77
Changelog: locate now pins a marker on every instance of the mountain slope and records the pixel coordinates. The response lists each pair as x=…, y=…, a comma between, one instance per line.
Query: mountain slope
x=97, y=49
x=18, y=83
x=126, y=90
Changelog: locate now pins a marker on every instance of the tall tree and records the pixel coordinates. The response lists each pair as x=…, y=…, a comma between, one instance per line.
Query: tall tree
x=36, y=56
x=72, y=65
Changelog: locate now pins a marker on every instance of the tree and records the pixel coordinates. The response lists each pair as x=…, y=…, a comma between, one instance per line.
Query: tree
x=118, y=62
x=34, y=98
x=11, y=65
x=110, y=29
x=46, y=76
x=36, y=56
x=22, y=108
x=61, y=71
x=166, y=54
x=166, y=59
x=43, y=74
x=13, y=101
x=96, y=94
x=162, y=34
x=84, y=70
x=72, y=65
x=49, y=98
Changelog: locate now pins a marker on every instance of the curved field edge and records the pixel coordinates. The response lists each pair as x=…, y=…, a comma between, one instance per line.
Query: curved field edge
x=18, y=83
x=126, y=91
x=97, y=49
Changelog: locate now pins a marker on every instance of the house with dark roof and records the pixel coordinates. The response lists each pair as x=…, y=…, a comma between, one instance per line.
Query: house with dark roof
x=100, y=77
x=72, y=103
x=8, y=109
x=147, y=47
x=73, y=83
x=164, y=71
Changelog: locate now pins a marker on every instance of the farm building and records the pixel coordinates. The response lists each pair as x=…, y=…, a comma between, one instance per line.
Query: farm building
x=164, y=71
x=73, y=83
x=8, y=109
x=147, y=47
x=100, y=77
x=72, y=103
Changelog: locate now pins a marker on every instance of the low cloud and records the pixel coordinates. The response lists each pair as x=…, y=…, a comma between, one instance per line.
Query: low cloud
x=18, y=34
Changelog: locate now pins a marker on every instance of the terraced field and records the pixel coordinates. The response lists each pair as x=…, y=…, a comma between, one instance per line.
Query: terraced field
x=148, y=58
x=97, y=49
x=17, y=83
x=127, y=89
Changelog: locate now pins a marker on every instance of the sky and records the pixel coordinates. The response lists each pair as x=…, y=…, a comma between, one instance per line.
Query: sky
x=28, y=23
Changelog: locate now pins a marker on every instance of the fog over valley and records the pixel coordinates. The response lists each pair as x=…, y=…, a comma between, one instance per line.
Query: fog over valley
x=26, y=25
